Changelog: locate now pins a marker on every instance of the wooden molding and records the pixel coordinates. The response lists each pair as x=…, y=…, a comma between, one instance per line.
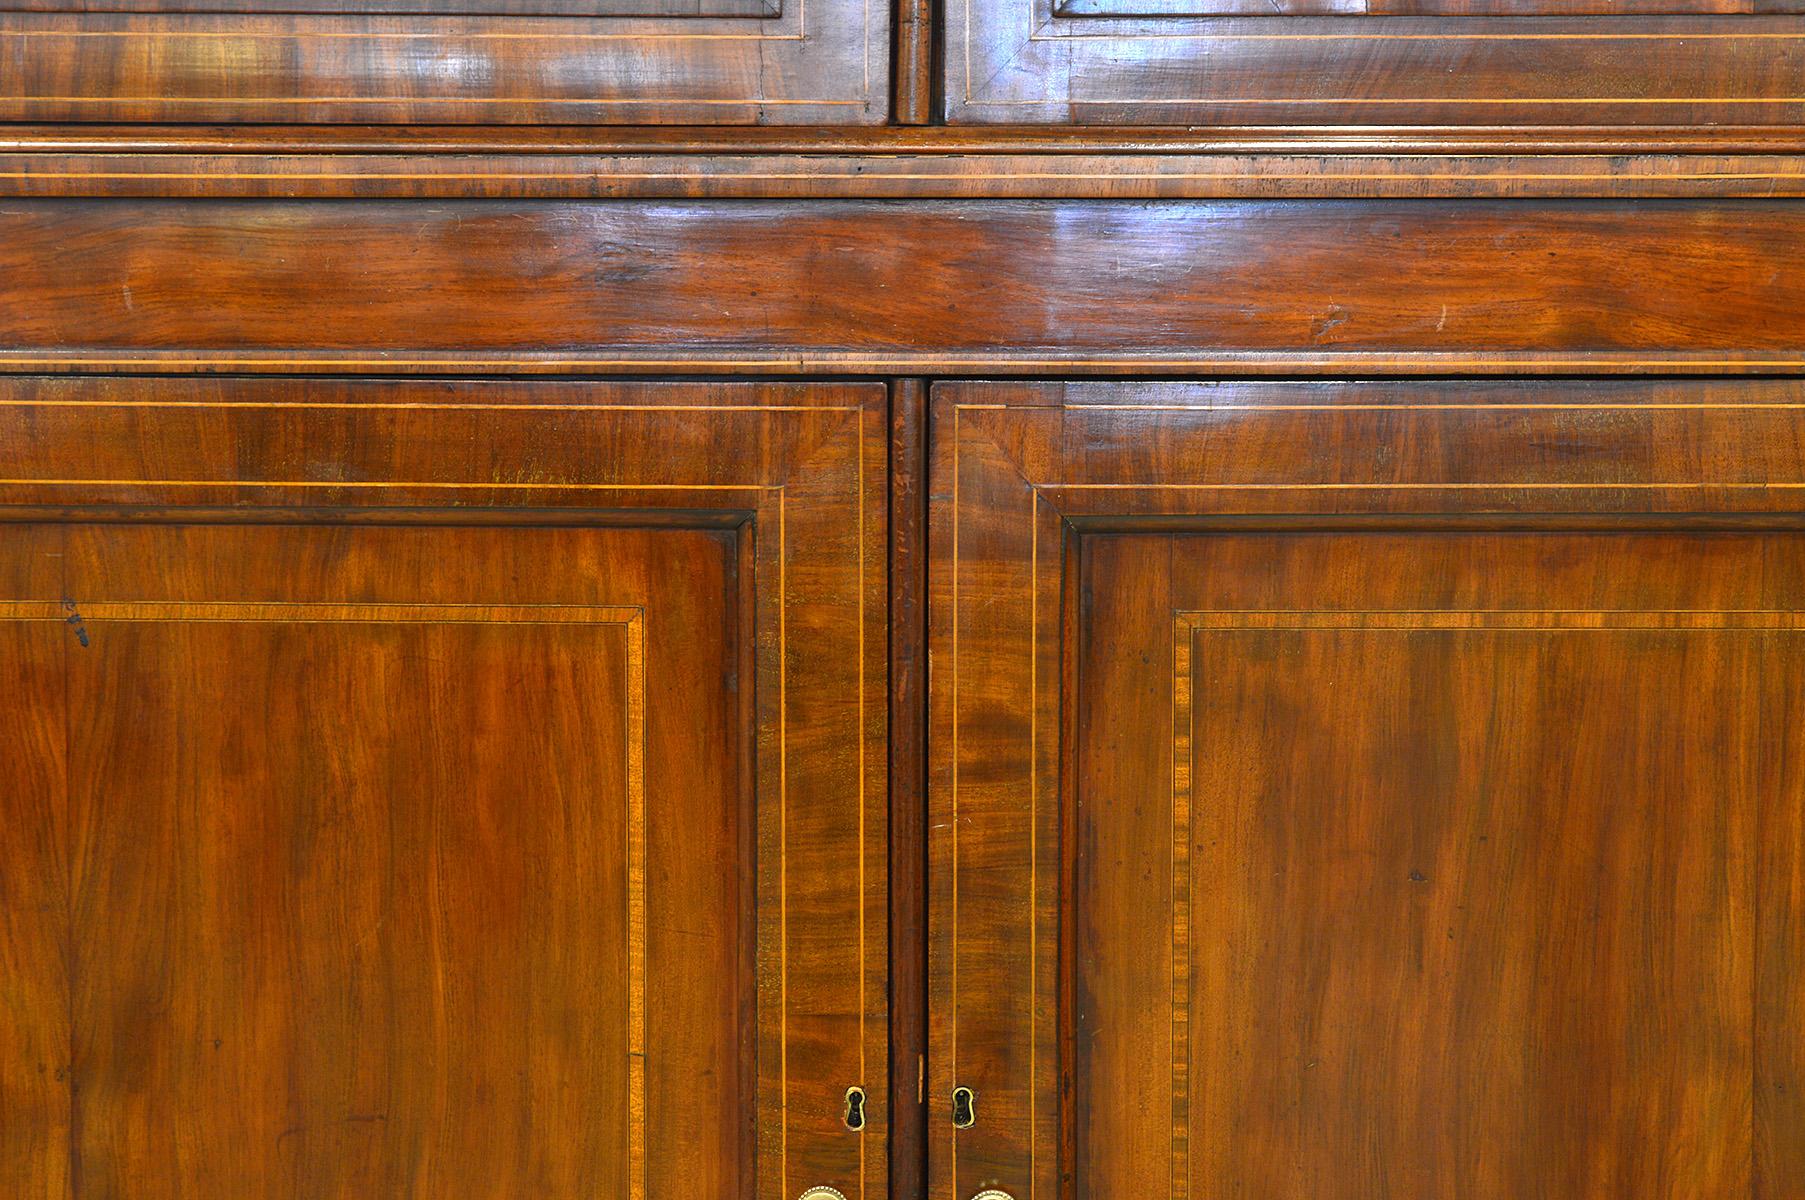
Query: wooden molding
x=895, y=176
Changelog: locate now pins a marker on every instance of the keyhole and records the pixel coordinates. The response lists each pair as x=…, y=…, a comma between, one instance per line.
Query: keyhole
x=855, y=1108
x=965, y=1108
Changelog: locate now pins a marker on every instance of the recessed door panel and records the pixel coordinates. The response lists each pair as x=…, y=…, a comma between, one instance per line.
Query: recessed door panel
x=1448, y=882
x=361, y=892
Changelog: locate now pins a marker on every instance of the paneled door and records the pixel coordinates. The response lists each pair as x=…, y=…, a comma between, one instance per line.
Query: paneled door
x=441, y=790
x=450, y=62
x=1359, y=63
x=1360, y=791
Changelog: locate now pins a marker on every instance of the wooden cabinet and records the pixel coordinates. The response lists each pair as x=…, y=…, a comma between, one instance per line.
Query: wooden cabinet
x=518, y=62
x=1516, y=63
x=524, y=672
x=1354, y=790
x=428, y=772
x=442, y=789
x=463, y=788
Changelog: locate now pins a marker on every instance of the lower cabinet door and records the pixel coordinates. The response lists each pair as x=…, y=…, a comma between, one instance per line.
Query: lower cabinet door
x=441, y=790
x=1368, y=790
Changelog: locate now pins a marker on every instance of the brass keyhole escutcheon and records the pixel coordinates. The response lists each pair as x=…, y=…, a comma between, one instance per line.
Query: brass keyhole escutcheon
x=855, y=1108
x=965, y=1108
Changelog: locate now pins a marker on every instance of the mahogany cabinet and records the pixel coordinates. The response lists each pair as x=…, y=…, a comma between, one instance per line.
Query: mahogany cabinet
x=902, y=600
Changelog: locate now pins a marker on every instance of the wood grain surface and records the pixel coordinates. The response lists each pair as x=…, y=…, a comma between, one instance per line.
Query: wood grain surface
x=1022, y=286
x=519, y=62
x=1367, y=789
x=1500, y=63
x=448, y=789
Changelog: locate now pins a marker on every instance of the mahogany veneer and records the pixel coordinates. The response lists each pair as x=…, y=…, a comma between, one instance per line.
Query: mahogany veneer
x=886, y=600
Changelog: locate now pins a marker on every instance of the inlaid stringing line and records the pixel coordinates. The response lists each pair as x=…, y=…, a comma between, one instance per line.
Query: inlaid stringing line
x=953, y=953
x=410, y=406
x=1501, y=485
x=315, y=612
x=1033, y=831
x=1364, y=360
x=783, y=850
x=441, y=485
x=881, y=176
x=858, y=460
x=1179, y=1166
x=635, y=734
x=1501, y=620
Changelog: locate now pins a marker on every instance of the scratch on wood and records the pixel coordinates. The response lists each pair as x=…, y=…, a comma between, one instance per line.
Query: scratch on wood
x=74, y=621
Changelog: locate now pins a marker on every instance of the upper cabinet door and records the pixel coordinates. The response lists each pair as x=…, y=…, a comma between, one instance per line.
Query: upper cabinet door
x=1366, y=791
x=1376, y=62
x=442, y=790
x=730, y=62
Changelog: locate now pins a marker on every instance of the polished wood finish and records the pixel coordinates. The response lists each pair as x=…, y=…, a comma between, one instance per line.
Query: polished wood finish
x=1322, y=788
x=742, y=62
x=1367, y=789
x=923, y=162
x=1512, y=63
x=1457, y=892
x=1418, y=8
x=705, y=142
x=448, y=789
x=363, y=894
x=396, y=8
x=915, y=77
x=908, y=787
x=36, y=1101
x=873, y=173
x=1276, y=287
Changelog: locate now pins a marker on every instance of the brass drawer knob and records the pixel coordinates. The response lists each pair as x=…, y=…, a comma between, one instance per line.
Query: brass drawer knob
x=822, y=1193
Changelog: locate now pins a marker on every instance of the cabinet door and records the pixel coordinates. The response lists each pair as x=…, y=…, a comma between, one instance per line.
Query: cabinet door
x=1368, y=790
x=1362, y=63
x=449, y=62
x=441, y=790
